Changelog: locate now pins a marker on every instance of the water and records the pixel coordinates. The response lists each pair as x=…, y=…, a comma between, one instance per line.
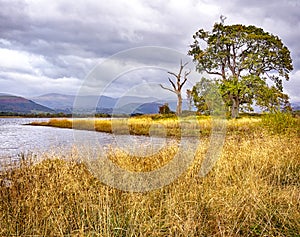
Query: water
x=17, y=138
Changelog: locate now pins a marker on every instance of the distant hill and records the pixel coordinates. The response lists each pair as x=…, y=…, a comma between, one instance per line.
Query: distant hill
x=105, y=104
x=16, y=104
x=138, y=108
x=55, y=101
x=296, y=106
x=65, y=103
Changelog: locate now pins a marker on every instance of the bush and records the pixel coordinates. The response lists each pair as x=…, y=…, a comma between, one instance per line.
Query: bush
x=281, y=123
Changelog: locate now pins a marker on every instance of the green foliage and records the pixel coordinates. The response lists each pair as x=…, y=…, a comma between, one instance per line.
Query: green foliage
x=272, y=100
x=199, y=92
x=207, y=97
x=281, y=123
x=243, y=57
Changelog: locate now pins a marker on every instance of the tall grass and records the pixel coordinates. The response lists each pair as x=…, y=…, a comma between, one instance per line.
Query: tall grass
x=158, y=126
x=135, y=126
x=253, y=190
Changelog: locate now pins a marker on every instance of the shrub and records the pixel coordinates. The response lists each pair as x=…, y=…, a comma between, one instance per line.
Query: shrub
x=281, y=123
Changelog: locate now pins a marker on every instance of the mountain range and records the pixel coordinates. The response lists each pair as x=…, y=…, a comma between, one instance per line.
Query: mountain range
x=55, y=103
x=103, y=104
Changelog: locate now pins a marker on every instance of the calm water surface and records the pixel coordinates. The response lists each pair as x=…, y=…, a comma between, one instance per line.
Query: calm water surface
x=17, y=138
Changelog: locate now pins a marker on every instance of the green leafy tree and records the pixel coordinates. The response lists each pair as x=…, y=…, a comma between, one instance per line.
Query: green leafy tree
x=199, y=92
x=272, y=100
x=243, y=58
x=207, y=98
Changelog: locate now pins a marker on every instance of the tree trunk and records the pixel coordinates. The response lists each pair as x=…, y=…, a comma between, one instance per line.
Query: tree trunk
x=179, y=104
x=235, y=108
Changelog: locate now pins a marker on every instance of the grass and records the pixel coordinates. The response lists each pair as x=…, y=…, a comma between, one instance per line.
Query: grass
x=156, y=125
x=253, y=190
x=135, y=126
x=145, y=125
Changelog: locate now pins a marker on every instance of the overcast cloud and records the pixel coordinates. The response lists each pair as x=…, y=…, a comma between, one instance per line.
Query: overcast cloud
x=51, y=46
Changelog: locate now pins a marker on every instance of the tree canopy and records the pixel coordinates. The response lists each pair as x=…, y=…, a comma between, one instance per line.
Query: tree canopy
x=243, y=58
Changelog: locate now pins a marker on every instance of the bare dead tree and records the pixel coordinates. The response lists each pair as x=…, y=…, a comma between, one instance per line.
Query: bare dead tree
x=180, y=80
x=189, y=97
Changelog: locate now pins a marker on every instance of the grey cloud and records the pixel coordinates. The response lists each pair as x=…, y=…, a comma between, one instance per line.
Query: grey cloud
x=12, y=17
x=73, y=37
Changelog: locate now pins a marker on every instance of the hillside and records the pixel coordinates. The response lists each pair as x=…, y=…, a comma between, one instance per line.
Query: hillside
x=65, y=103
x=137, y=108
x=16, y=104
x=103, y=104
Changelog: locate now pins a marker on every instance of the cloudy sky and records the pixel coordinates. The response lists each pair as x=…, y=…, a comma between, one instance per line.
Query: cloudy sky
x=54, y=46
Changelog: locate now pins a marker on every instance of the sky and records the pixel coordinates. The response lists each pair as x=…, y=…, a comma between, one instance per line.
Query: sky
x=60, y=46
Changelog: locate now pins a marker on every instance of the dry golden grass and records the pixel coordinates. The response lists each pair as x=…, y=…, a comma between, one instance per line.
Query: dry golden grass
x=171, y=127
x=142, y=163
x=253, y=190
x=148, y=125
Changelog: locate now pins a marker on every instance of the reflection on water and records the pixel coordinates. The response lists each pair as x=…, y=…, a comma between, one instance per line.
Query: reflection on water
x=16, y=139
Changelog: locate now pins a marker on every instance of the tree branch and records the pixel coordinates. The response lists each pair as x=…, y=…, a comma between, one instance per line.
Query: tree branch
x=184, y=64
x=186, y=73
x=166, y=88
x=172, y=73
x=214, y=73
x=180, y=87
x=173, y=84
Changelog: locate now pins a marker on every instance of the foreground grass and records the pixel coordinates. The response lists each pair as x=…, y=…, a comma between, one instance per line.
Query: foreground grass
x=253, y=190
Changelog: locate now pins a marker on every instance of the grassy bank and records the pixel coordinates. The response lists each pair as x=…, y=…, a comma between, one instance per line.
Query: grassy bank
x=253, y=190
x=172, y=127
x=153, y=125
x=134, y=126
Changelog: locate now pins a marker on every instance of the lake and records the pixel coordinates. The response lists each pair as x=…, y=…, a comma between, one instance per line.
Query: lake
x=17, y=138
